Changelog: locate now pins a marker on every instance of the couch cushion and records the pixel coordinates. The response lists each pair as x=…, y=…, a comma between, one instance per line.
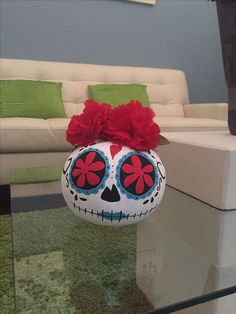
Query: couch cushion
x=172, y=124
x=33, y=135
x=72, y=108
x=117, y=94
x=31, y=99
x=171, y=110
x=164, y=86
x=39, y=135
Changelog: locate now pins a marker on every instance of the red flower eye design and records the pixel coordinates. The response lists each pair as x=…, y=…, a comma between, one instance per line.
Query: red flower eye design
x=137, y=175
x=88, y=171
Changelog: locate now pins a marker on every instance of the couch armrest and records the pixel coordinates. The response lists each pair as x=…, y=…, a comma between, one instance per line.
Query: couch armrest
x=218, y=111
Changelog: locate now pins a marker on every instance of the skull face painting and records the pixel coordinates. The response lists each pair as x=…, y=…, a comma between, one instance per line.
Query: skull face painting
x=112, y=185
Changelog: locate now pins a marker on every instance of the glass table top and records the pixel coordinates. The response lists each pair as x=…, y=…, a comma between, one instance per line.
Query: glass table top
x=63, y=264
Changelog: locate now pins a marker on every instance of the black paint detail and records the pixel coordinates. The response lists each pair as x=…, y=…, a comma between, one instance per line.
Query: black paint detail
x=67, y=167
x=83, y=199
x=145, y=202
x=76, y=197
x=71, y=192
x=158, y=166
x=152, y=200
x=67, y=181
x=110, y=195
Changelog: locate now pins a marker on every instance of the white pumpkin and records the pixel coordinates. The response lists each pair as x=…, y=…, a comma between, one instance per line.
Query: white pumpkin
x=112, y=185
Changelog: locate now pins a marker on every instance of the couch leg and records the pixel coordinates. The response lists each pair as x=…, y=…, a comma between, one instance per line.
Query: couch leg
x=5, y=199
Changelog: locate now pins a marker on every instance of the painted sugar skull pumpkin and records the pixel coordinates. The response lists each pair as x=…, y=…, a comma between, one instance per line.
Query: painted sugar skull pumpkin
x=111, y=184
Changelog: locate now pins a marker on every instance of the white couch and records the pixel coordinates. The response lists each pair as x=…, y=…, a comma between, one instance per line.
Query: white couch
x=28, y=142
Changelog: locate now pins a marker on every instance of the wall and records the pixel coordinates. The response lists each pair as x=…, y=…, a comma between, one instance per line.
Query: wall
x=180, y=34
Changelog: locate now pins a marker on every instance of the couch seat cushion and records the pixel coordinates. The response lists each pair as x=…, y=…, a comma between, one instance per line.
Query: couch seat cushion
x=178, y=124
x=39, y=135
x=33, y=135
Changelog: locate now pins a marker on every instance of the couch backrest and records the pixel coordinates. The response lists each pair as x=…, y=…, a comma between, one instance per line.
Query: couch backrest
x=166, y=88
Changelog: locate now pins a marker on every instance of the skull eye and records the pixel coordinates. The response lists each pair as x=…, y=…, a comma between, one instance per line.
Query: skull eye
x=137, y=175
x=89, y=171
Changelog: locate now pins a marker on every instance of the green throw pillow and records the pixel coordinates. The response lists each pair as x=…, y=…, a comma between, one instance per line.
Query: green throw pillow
x=116, y=94
x=31, y=99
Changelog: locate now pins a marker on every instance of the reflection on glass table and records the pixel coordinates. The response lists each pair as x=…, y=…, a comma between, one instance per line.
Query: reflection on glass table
x=63, y=264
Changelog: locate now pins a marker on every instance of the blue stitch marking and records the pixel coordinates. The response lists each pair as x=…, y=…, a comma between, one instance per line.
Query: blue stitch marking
x=112, y=215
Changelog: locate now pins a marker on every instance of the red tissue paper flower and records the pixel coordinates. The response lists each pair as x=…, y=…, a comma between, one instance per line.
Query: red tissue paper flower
x=132, y=125
x=86, y=128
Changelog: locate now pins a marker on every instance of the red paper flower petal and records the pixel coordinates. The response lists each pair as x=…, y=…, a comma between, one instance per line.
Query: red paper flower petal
x=87, y=127
x=130, y=125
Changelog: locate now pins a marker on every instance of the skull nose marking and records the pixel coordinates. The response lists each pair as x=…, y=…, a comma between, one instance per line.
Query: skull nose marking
x=110, y=195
